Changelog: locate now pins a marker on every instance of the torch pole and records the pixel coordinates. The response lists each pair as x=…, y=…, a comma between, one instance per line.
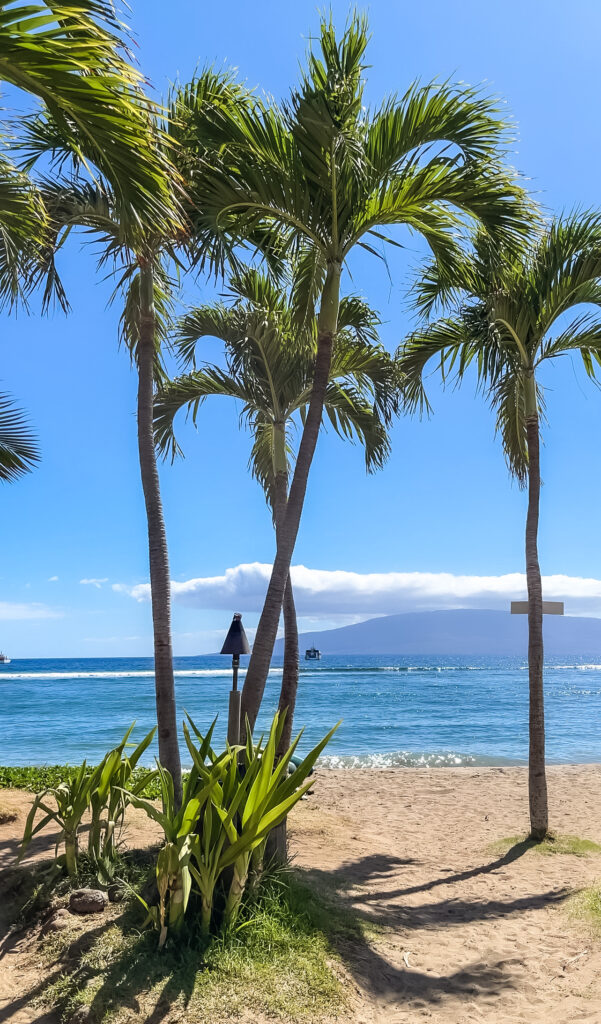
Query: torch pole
x=233, y=722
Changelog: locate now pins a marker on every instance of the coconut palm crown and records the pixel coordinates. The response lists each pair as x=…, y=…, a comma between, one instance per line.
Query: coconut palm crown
x=508, y=314
x=269, y=369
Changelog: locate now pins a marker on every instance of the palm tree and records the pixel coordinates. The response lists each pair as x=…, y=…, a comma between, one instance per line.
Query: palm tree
x=143, y=251
x=322, y=175
x=269, y=369
x=509, y=315
x=18, y=447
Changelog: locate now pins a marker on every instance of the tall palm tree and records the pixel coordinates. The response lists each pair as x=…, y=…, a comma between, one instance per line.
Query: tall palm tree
x=269, y=365
x=144, y=252
x=18, y=447
x=511, y=312
x=322, y=175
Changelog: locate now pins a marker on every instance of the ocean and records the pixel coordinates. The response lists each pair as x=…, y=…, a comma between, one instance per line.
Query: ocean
x=394, y=710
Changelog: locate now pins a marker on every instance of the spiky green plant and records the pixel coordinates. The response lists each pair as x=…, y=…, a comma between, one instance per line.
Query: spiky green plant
x=178, y=822
x=72, y=800
x=110, y=798
x=250, y=796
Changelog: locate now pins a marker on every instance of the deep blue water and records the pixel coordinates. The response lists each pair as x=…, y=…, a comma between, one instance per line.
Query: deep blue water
x=395, y=710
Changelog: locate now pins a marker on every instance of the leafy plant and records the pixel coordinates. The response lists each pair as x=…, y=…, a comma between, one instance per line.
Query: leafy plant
x=173, y=862
x=100, y=789
x=72, y=800
x=251, y=795
x=109, y=800
x=231, y=801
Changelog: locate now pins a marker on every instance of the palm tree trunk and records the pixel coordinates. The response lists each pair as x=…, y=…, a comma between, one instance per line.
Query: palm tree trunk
x=537, y=781
x=290, y=671
x=260, y=660
x=277, y=842
x=160, y=587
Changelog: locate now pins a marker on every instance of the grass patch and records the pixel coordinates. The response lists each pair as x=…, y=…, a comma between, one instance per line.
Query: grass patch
x=35, y=778
x=279, y=963
x=7, y=815
x=551, y=845
x=585, y=906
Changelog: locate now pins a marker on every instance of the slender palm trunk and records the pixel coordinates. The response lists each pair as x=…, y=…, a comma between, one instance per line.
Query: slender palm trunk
x=290, y=671
x=537, y=780
x=277, y=842
x=157, y=540
x=254, y=684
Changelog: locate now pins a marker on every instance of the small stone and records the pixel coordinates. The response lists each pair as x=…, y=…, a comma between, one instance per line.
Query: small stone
x=81, y=1014
x=115, y=893
x=88, y=901
x=60, y=920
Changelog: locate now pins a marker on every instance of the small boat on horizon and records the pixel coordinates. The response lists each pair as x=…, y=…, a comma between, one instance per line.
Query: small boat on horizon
x=312, y=654
x=4, y=659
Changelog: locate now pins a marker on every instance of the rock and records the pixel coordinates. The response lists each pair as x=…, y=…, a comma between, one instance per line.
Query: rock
x=60, y=920
x=88, y=901
x=115, y=892
x=82, y=1013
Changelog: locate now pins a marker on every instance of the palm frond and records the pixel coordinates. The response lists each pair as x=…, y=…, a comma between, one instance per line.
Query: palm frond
x=19, y=450
x=189, y=390
x=71, y=55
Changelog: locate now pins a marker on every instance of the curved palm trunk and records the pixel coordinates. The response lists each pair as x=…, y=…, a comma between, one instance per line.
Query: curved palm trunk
x=160, y=588
x=537, y=780
x=260, y=660
x=291, y=666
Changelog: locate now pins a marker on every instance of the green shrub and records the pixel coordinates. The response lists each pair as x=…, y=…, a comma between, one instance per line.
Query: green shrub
x=231, y=802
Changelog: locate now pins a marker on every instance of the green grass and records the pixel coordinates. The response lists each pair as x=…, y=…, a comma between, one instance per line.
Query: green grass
x=279, y=963
x=585, y=906
x=35, y=778
x=7, y=815
x=551, y=845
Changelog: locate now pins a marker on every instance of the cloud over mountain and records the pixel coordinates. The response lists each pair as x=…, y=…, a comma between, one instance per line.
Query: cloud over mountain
x=339, y=592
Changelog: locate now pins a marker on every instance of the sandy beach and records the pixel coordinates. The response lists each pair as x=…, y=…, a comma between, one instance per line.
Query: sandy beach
x=464, y=933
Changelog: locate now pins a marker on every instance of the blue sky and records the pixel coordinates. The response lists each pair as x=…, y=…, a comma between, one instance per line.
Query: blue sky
x=444, y=504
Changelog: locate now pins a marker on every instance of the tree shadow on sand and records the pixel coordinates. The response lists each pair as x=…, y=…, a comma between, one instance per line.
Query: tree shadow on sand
x=375, y=974
x=131, y=976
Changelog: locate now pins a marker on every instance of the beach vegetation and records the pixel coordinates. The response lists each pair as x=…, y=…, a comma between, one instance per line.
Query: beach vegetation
x=215, y=840
x=550, y=845
x=322, y=176
x=34, y=778
x=97, y=790
x=7, y=815
x=508, y=311
x=281, y=962
x=585, y=906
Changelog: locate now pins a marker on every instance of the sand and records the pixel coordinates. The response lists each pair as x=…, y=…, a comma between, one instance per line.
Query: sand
x=465, y=934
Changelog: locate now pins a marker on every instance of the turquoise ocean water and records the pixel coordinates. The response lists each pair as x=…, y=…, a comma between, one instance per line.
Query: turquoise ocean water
x=395, y=710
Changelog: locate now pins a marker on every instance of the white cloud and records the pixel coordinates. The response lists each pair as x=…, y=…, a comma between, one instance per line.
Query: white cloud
x=325, y=592
x=13, y=612
x=53, y=579
x=95, y=583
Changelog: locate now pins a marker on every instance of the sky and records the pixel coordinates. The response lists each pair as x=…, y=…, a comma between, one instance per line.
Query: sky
x=442, y=525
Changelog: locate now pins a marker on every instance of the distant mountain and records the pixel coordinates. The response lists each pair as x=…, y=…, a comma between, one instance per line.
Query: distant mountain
x=462, y=631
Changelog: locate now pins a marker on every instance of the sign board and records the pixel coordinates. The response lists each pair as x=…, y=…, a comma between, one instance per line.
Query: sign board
x=549, y=607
